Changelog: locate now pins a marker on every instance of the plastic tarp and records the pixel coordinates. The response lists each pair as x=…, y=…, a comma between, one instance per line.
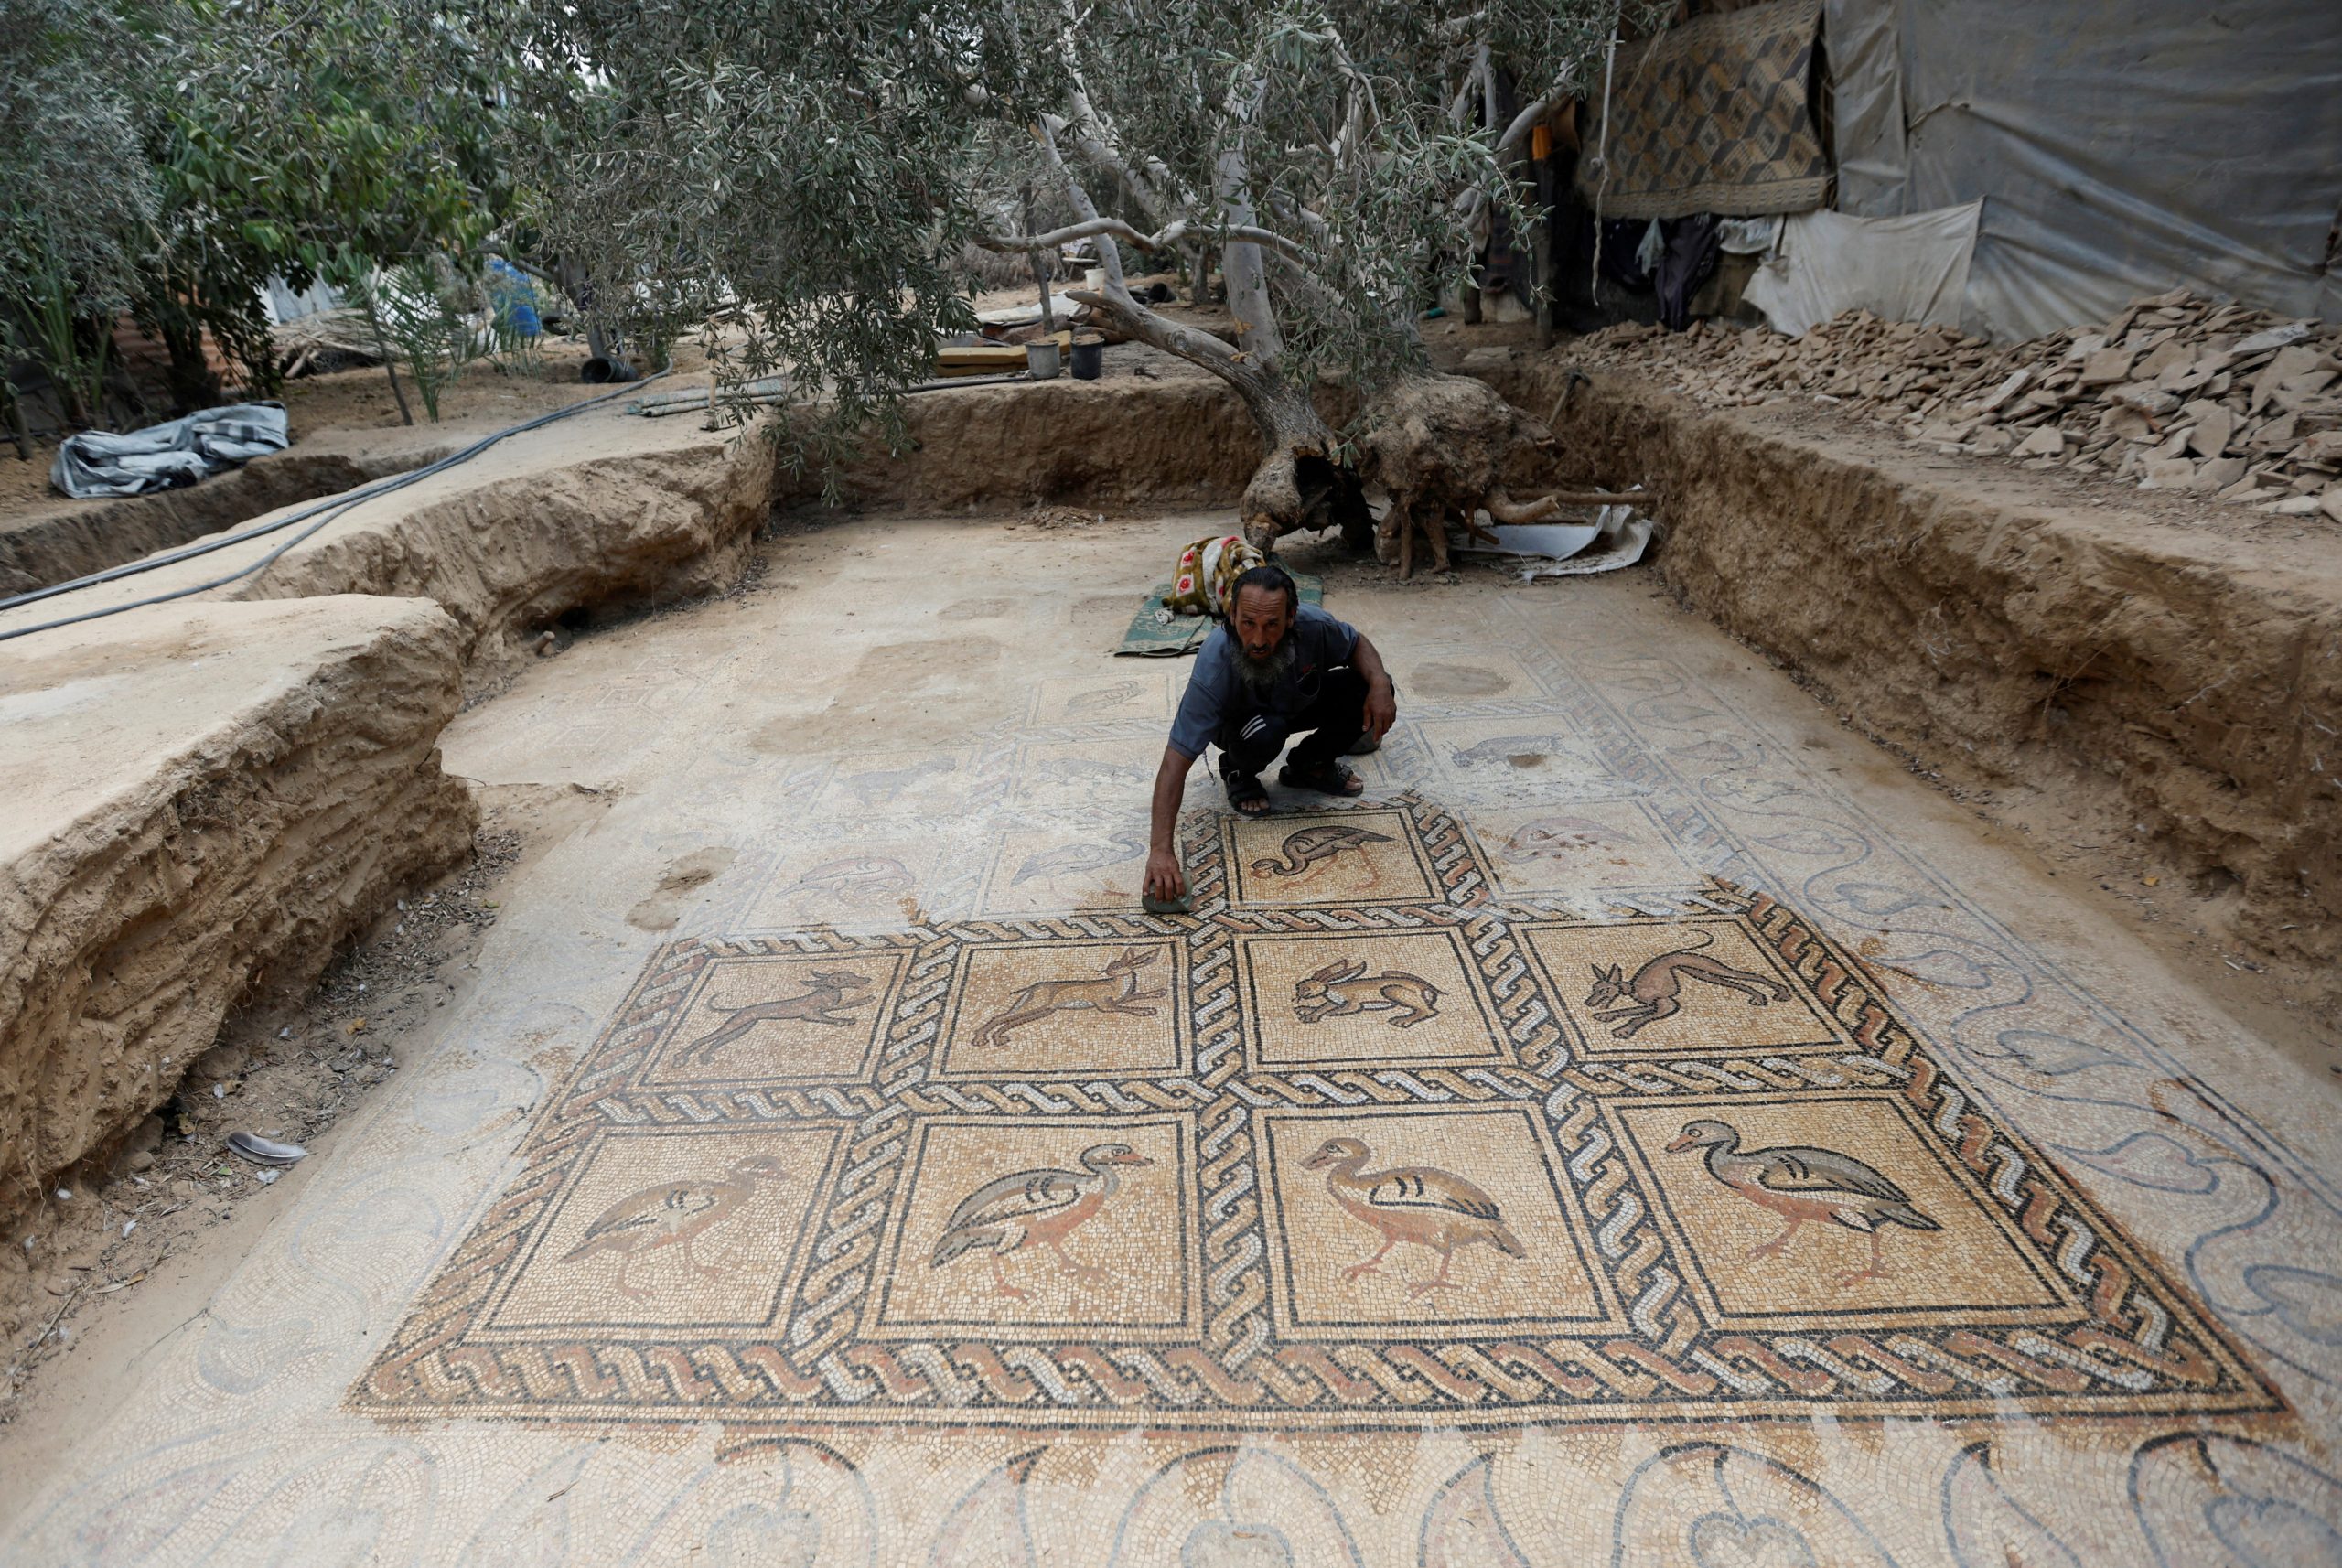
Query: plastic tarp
x=1865, y=60
x=164, y=456
x=2123, y=147
x=1903, y=269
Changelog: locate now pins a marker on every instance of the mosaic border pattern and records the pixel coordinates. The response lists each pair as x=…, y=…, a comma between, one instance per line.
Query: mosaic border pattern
x=2119, y=1339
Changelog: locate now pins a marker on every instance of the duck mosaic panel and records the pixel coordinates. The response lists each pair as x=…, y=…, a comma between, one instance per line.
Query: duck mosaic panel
x=1399, y=1146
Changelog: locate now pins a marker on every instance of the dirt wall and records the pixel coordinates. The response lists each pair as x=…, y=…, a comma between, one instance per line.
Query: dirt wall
x=2147, y=676
x=200, y=804
x=1175, y=437
x=507, y=556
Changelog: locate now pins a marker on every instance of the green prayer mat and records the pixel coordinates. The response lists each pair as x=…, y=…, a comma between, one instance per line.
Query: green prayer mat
x=1157, y=633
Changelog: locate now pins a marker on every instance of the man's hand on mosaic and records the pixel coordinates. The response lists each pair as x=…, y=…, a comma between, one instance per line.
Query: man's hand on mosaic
x=1164, y=880
x=1381, y=706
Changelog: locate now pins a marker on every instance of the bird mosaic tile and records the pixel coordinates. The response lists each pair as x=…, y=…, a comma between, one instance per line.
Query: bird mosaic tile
x=1039, y=869
x=1586, y=848
x=1359, y=856
x=997, y=1231
x=1381, y=1149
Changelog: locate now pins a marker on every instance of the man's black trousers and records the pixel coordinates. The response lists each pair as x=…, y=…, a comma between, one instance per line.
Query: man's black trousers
x=1249, y=739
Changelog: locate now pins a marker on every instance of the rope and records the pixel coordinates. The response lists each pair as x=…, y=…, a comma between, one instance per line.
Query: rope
x=1602, y=156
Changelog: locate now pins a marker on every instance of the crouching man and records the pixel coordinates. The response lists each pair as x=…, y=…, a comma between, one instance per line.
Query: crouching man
x=1276, y=669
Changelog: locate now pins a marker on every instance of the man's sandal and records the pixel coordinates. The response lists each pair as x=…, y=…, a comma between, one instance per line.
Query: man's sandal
x=1246, y=793
x=1328, y=777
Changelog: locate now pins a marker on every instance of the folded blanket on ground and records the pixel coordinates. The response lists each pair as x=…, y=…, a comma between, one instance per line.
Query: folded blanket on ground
x=164, y=456
x=1157, y=631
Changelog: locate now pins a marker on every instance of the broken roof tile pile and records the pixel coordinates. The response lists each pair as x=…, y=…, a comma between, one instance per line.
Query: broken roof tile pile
x=2176, y=392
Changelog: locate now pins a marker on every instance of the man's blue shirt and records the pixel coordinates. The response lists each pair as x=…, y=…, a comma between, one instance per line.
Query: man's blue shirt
x=1216, y=691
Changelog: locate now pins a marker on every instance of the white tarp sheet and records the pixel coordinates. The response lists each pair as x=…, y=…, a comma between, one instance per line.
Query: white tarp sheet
x=2123, y=147
x=1902, y=269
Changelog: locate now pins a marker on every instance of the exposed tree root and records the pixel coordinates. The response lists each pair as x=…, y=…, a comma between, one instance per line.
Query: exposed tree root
x=1440, y=445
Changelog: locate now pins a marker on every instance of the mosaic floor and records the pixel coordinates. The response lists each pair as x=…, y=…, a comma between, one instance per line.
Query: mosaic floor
x=1607, y=1140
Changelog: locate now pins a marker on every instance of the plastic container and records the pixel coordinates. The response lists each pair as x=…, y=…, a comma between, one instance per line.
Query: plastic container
x=1043, y=361
x=1089, y=358
x=598, y=369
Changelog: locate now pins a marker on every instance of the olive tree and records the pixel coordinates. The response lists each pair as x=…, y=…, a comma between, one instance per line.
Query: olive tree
x=804, y=174
x=79, y=199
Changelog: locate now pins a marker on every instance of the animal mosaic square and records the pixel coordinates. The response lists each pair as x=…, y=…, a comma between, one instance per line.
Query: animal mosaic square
x=1286, y=1165
x=1676, y=987
x=790, y=1018
x=1030, y=1007
x=1363, y=999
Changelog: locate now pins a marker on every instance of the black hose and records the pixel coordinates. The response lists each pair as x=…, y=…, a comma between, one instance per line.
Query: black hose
x=324, y=512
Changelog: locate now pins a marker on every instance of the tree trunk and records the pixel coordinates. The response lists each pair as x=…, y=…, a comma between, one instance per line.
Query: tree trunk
x=1299, y=483
x=390, y=357
x=192, y=381
x=18, y=431
x=1443, y=446
x=1040, y=272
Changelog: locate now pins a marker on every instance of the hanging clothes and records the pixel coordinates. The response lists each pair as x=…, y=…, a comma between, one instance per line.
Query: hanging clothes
x=1692, y=245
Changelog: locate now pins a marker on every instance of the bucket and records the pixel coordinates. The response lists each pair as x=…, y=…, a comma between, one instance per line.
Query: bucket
x=597, y=370
x=1042, y=361
x=1089, y=358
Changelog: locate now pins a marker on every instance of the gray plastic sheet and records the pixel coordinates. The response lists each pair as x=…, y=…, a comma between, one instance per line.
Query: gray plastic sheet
x=164, y=456
x=1901, y=269
x=2121, y=147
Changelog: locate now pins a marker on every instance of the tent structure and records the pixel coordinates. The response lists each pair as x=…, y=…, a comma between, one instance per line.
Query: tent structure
x=2118, y=148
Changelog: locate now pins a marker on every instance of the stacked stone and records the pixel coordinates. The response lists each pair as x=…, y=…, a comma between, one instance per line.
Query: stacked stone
x=2176, y=392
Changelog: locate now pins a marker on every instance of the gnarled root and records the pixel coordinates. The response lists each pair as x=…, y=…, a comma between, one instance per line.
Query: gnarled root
x=1298, y=488
x=1504, y=510
x=1440, y=445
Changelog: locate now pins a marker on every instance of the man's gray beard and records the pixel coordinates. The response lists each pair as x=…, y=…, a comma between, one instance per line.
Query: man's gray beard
x=1260, y=675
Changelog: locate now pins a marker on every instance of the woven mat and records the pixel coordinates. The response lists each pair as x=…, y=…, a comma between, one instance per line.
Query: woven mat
x=1713, y=116
x=1155, y=633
